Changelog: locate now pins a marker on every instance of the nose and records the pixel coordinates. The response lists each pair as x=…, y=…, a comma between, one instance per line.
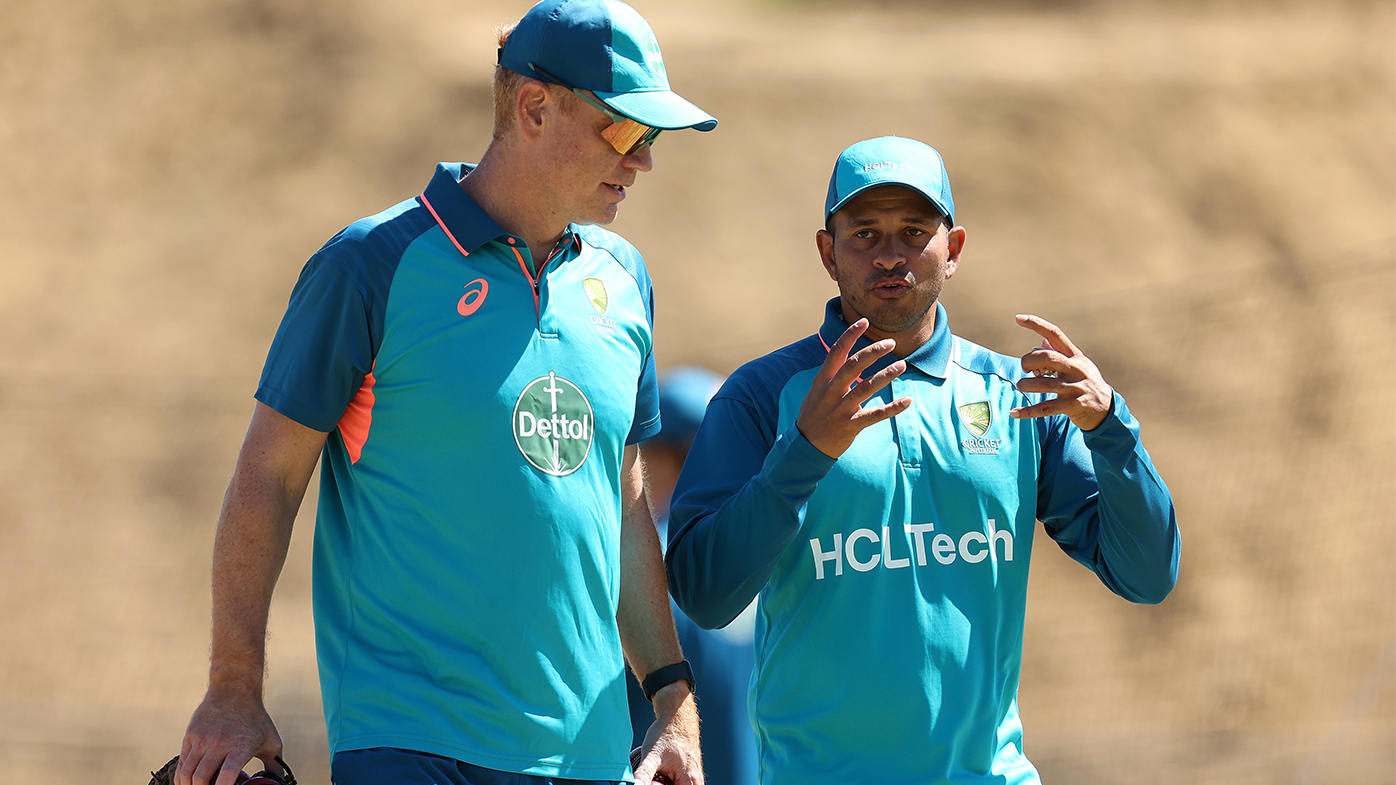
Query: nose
x=889, y=252
x=641, y=160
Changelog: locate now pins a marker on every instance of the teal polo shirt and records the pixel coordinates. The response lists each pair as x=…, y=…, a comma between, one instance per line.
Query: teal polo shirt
x=893, y=580
x=467, y=545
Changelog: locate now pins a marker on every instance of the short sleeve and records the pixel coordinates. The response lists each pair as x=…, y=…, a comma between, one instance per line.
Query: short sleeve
x=322, y=350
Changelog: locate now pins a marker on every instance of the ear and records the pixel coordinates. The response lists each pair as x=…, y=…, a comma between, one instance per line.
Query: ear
x=530, y=109
x=825, y=242
x=956, y=245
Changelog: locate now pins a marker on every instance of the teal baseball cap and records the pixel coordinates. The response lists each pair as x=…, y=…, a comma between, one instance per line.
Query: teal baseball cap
x=604, y=46
x=890, y=160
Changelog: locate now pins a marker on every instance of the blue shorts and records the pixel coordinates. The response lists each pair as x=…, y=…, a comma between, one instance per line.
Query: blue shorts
x=389, y=766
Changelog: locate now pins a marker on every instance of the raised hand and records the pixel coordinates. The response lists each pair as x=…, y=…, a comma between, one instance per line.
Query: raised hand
x=832, y=414
x=1059, y=368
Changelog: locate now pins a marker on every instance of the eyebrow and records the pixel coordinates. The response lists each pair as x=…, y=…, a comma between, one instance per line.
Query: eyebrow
x=917, y=220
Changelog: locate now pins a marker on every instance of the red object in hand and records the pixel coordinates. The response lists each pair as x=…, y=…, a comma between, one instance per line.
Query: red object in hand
x=636, y=757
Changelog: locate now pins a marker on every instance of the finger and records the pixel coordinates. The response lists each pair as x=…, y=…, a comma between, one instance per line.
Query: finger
x=1046, y=362
x=838, y=353
x=873, y=415
x=853, y=368
x=184, y=772
x=228, y=774
x=648, y=768
x=1040, y=384
x=1055, y=338
x=869, y=387
x=1044, y=409
x=205, y=769
x=271, y=750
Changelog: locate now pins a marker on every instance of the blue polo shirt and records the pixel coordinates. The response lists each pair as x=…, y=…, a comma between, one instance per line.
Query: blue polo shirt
x=893, y=580
x=467, y=545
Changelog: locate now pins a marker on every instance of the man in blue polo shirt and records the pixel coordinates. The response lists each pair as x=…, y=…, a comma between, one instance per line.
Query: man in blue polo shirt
x=878, y=483
x=475, y=365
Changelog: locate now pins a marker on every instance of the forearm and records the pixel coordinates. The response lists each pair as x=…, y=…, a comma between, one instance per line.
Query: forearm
x=726, y=543
x=254, y=533
x=646, y=624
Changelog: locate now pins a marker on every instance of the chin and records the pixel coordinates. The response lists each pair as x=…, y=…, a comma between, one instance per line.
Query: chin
x=602, y=218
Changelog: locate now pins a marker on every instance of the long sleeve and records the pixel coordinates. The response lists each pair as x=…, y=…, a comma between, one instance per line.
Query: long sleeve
x=1103, y=502
x=738, y=504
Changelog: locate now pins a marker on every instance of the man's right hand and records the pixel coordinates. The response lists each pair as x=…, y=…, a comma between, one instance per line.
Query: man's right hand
x=832, y=414
x=225, y=733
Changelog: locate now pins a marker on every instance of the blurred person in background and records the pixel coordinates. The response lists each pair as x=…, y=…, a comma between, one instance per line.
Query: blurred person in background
x=877, y=485
x=475, y=367
x=721, y=658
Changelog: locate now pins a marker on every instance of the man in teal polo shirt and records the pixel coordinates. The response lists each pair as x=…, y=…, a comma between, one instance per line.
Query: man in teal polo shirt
x=878, y=484
x=475, y=365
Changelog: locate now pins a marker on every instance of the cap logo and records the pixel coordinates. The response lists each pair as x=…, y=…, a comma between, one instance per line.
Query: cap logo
x=879, y=165
x=653, y=59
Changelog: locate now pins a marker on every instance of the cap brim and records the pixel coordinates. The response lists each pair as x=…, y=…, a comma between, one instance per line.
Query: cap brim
x=659, y=109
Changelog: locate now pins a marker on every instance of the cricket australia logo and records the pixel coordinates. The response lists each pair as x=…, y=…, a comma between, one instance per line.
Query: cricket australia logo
x=596, y=293
x=553, y=424
x=977, y=417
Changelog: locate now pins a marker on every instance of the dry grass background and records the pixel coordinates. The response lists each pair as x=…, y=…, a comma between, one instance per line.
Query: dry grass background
x=1202, y=194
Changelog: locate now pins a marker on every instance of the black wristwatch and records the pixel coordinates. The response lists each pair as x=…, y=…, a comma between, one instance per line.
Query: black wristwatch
x=679, y=671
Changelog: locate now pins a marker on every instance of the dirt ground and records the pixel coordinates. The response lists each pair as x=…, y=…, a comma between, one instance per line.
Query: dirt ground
x=1202, y=194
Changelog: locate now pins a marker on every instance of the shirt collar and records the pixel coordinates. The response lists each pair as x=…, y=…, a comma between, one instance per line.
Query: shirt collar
x=931, y=358
x=462, y=218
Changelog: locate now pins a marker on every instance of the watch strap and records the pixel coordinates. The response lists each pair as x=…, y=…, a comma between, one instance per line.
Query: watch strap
x=658, y=680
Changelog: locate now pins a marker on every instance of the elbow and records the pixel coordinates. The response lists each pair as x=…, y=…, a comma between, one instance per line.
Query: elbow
x=704, y=616
x=696, y=603
x=1155, y=594
x=1156, y=588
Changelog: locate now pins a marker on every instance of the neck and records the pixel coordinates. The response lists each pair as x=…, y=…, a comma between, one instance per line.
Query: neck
x=511, y=195
x=908, y=340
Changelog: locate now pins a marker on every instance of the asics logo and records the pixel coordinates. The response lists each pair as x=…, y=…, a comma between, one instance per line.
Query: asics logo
x=475, y=293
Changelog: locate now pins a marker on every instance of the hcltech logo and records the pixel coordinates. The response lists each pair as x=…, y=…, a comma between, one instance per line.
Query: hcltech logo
x=973, y=547
x=653, y=58
x=977, y=417
x=553, y=425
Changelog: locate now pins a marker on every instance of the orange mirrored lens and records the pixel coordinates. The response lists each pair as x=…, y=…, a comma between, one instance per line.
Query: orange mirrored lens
x=627, y=136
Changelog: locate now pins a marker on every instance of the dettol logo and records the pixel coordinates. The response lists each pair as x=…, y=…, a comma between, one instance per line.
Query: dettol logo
x=653, y=58
x=553, y=425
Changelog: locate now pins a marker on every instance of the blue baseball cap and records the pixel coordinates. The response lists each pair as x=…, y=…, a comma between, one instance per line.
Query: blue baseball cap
x=604, y=46
x=890, y=160
x=684, y=393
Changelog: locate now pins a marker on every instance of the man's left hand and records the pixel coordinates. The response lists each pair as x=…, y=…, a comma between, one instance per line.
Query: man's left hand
x=671, y=745
x=1059, y=368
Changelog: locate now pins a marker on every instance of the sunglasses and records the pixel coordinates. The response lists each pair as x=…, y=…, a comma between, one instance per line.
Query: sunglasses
x=624, y=134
